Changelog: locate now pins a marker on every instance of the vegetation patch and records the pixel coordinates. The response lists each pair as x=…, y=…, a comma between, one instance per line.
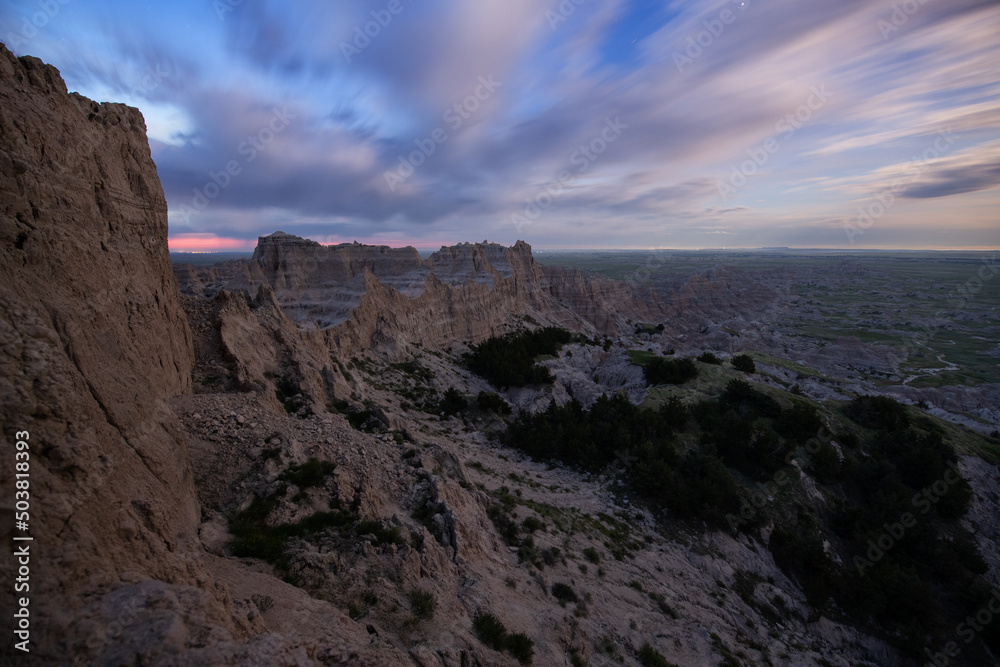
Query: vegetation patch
x=744, y=363
x=661, y=370
x=255, y=537
x=564, y=593
x=650, y=657
x=509, y=361
x=423, y=604
x=491, y=632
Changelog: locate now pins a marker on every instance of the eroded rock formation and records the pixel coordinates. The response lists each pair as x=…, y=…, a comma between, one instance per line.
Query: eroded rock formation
x=362, y=296
x=92, y=341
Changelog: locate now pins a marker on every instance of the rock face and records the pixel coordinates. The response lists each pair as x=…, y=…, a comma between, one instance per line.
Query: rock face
x=93, y=339
x=360, y=296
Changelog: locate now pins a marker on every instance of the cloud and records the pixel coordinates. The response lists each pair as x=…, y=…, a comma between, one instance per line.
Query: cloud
x=354, y=115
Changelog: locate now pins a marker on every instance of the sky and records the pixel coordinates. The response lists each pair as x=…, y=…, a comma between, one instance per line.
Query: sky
x=565, y=123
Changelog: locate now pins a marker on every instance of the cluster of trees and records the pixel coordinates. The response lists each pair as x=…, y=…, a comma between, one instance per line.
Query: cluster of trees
x=695, y=485
x=509, y=360
x=661, y=370
x=907, y=567
x=910, y=568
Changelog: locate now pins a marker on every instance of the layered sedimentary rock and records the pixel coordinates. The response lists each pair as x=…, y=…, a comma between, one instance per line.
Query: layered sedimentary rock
x=359, y=295
x=93, y=340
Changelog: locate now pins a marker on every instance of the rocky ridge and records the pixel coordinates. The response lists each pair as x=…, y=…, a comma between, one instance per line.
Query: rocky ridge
x=94, y=342
x=363, y=297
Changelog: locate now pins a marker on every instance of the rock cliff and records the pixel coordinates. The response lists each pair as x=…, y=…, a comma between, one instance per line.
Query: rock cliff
x=93, y=339
x=360, y=296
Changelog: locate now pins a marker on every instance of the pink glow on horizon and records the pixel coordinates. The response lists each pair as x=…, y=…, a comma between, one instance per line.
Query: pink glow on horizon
x=208, y=243
x=392, y=242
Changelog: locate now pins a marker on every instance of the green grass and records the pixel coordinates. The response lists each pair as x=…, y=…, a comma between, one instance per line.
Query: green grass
x=642, y=357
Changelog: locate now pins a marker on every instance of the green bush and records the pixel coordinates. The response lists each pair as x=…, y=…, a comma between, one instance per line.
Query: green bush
x=826, y=463
x=509, y=361
x=521, y=647
x=564, y=593
x=490, y=401
x=423, y=604
x=650, y=657
x=453, y=402
x=744, y=362
x=799, y=423
x=799, y=551
x=311, y=473
x=661, y=370
x=878, y=412
x=709, y=358
x=490, y=631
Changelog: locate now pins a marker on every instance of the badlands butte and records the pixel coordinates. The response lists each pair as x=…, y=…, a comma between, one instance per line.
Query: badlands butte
x=355, y=455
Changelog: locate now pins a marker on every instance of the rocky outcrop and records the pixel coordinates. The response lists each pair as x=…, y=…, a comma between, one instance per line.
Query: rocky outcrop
x=362, y=296
x=94, y=340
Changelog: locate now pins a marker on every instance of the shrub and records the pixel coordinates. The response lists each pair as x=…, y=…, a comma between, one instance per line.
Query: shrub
x=709, y=358
x=564, y=593
x=799, y=423
x=590, y=553
x=490, y=401
x=799, y=552
x=878, y=412
x=826, y=463
x=521, y=647
x=263, y=602
x=661, y=370
x=744, y=362
x=453, y=402
x=423, y=604
x=650, y=657
x=490, y=631
x=531, y=524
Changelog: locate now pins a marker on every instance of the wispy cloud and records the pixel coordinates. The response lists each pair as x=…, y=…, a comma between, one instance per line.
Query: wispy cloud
x=207, y=85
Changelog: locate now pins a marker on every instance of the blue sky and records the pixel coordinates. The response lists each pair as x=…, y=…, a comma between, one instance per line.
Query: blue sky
x=566, y=123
